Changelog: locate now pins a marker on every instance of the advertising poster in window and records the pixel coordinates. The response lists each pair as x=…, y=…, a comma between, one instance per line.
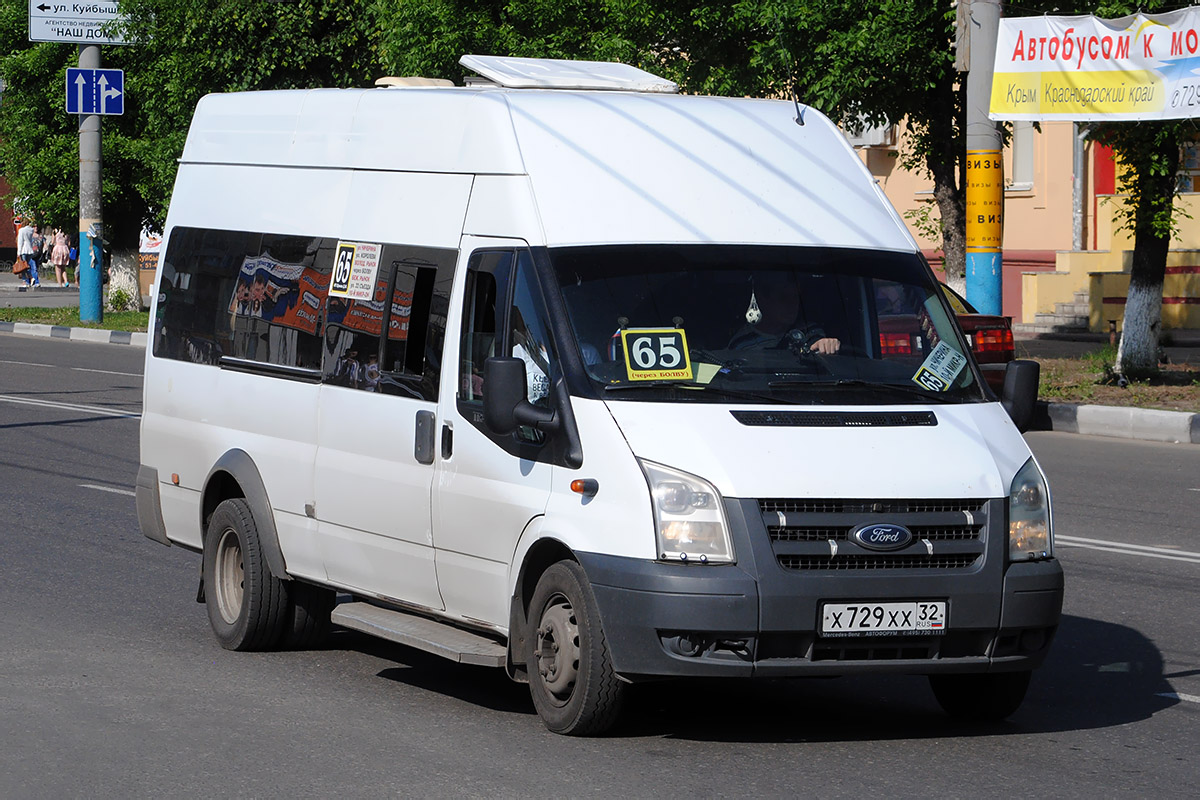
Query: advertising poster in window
x=282, y=294
x=366, y=316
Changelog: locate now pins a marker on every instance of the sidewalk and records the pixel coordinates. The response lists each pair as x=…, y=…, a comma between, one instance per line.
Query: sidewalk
x=1117, y=421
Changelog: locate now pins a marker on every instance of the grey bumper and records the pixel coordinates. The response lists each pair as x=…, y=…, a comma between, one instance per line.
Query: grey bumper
x=149, y=505
x=757, y=618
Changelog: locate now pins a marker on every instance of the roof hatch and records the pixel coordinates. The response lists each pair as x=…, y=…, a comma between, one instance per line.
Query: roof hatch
x=550, y=73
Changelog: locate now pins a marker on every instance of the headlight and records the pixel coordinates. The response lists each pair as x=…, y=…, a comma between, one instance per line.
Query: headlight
x=689, y=517
x=1029, y=536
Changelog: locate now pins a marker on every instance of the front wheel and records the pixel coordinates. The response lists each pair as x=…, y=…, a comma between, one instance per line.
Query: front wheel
x=981, y=698
x=571, y=678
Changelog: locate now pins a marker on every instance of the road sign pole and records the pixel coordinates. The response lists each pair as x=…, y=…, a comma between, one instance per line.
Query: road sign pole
x=91, y=286
x=985, y=175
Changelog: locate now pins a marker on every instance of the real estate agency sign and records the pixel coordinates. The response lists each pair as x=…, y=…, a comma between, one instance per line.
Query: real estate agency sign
x=1144, y=66
x=77, y=22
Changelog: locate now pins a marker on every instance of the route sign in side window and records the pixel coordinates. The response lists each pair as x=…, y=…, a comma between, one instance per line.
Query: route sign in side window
x=529, y=339
x=408, y=297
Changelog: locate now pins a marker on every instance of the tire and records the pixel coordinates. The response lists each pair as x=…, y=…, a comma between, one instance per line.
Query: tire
x=571, y=678
x=981, y=698
x=247, y=605
x=308, y=621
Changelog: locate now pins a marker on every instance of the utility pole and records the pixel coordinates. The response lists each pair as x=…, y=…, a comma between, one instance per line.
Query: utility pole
x=91, y=224
x=985, y=172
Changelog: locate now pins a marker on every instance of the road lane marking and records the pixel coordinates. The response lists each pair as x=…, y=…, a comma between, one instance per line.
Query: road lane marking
x=1191, y=698
x=76, y=369
x=112, y=489
x=1129, y=549
x=107, y=412
x=107, y=372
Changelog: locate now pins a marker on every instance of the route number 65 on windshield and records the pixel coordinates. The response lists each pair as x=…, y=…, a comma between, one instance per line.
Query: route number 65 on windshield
x=656, y=354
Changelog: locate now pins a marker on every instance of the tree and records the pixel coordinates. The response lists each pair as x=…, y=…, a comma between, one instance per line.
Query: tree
x=183, y=50
x=1149, y=154
x=39, y=141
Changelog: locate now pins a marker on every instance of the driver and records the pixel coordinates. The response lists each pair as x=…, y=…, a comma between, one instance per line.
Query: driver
x=772, y=319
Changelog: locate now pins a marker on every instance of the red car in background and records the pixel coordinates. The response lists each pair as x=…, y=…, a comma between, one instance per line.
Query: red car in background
x=990, y=337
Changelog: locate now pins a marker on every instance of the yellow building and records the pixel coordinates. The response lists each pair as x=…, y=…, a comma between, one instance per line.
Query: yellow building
x=1047, y=284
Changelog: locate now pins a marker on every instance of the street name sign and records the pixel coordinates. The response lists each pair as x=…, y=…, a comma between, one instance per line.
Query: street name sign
x=95, y=91
x=75, y=22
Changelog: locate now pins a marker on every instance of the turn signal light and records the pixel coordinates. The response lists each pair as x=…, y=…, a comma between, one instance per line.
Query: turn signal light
x=585, y=486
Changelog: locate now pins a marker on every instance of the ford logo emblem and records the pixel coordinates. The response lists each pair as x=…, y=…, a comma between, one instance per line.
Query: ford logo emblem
x=883, y=536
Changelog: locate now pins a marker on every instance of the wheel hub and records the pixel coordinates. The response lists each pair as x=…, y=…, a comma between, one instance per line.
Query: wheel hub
x=558, y=648
x=230, y=577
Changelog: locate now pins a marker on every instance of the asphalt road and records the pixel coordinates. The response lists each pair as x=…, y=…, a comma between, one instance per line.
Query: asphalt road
x=112, y=685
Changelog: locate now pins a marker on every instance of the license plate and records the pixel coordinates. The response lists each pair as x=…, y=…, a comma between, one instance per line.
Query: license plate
x=874, y=619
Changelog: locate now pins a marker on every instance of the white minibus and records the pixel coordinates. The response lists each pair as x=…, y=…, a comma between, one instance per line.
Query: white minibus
x=565, y=373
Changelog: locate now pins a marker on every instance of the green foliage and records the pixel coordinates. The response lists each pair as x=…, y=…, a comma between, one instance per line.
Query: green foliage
x=922, y=218
x=184, y=49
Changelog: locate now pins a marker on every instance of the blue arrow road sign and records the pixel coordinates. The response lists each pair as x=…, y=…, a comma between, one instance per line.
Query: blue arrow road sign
x=95, y=91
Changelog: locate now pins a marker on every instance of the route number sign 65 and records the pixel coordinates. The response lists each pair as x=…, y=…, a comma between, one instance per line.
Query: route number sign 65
x=656, y=354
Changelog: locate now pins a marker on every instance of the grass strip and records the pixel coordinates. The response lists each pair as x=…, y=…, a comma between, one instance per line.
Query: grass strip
x=135, y=321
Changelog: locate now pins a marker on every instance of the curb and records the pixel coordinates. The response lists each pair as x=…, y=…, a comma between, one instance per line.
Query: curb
x=98, y=335
x=1145, y=424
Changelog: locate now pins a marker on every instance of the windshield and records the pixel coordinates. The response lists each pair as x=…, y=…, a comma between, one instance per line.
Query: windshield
x=727, y=323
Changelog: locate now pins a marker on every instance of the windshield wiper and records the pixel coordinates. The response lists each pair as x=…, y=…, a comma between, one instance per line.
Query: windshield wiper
x=736, y=394
x=858, y=383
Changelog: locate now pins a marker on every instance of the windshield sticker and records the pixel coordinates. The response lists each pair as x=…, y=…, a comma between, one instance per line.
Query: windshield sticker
x=355, y=266
x=656, y=354
x=941, y=368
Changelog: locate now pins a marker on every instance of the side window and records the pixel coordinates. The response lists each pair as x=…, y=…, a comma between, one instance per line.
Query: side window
x=503, y=316
x=410, y=301
x=244, y=295
x=275, y=303
x=529, y=334
x=487, y=286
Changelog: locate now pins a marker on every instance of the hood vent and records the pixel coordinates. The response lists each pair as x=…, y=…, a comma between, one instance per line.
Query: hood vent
x=835, y=419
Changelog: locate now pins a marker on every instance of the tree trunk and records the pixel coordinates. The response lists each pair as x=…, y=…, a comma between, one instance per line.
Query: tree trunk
x=954, y=226
x=946, y=161
x=1138, y=352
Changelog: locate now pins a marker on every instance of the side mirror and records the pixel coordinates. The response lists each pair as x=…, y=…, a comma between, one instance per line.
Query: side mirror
x=1020, y=392
x=505, y=407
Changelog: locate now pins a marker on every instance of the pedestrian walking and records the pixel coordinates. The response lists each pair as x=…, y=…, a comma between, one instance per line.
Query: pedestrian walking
x=60, y=257
x=39, y=246
x=28, y=254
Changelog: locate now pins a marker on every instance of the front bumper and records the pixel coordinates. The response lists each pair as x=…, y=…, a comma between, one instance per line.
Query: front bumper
x=757, y=618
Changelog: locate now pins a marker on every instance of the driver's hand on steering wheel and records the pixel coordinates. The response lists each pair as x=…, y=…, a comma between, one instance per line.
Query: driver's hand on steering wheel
x=826, y=346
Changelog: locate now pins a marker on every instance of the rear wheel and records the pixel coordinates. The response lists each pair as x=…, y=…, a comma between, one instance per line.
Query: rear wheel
x=981, y=698
x=571, y=676
x=247, y=605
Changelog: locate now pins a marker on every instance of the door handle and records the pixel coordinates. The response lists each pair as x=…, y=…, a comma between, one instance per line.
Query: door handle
x=424, y=439
x=447, y=442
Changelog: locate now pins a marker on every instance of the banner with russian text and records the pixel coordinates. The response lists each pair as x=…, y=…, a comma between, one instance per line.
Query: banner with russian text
x=1144, y=66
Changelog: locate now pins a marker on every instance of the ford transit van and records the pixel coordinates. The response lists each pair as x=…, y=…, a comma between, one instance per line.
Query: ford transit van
x=570, y=375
